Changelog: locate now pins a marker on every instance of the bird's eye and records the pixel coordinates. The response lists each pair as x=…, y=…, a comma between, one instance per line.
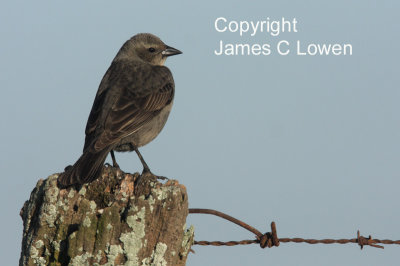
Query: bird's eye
x=152, y=50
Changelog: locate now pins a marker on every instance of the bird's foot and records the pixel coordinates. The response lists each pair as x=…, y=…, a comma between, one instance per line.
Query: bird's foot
x=148, y=172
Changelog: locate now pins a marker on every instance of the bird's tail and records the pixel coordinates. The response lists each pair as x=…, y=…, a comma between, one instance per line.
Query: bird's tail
x=88, y=168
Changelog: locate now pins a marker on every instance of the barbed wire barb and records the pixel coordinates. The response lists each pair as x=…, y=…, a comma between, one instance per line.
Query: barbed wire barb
x=270, y=239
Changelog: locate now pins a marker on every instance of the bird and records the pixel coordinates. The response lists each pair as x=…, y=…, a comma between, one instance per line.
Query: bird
x=131, y=107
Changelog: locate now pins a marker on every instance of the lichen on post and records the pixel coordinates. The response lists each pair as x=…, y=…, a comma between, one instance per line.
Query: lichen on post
x=119, y=219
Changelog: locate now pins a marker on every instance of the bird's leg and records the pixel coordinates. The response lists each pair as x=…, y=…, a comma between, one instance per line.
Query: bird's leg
x=146, y=168
x=113, y=159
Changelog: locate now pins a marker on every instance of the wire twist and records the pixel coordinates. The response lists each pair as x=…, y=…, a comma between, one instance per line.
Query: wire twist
x=270, y=239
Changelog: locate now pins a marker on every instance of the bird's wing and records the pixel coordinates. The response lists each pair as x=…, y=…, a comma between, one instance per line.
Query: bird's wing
x=99, y=108
x=136, y=93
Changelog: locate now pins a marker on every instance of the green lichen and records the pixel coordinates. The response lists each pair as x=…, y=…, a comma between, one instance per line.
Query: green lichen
x=83, y=239
x=55, y=244
x=111, y=217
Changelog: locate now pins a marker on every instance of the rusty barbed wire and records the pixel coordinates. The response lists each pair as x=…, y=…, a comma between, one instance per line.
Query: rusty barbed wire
x=271, y=239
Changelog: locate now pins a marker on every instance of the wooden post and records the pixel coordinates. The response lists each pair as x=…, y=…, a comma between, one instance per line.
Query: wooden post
x=119, y=219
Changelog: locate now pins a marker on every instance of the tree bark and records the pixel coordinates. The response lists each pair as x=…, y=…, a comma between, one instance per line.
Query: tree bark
x=119, y=219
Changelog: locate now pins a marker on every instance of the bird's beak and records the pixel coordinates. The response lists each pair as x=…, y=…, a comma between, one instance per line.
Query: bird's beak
x=170, y=51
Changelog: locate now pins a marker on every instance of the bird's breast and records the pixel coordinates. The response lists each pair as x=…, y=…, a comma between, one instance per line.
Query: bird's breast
x=147, y=132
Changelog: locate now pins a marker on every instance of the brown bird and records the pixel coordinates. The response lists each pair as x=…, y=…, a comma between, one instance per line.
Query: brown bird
x=131, y=107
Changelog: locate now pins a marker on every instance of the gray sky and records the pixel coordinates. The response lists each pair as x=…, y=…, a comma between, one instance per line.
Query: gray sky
x=309, y=142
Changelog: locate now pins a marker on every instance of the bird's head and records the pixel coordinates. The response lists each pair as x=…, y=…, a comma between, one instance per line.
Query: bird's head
x=148, y=48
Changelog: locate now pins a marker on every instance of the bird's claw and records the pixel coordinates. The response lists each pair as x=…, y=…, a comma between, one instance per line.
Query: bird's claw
x=148, y=172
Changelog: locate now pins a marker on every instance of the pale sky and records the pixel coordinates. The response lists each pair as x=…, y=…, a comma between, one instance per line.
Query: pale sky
x=310, y=142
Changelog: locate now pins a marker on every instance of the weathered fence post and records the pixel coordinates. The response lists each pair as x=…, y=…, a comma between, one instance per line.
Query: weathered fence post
x=119, y=219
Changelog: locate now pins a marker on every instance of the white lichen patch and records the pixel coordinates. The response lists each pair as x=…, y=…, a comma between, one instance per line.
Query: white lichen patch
x=72, y=236
x=157, y=256
x=112, y=253
x=98, y=257
x=82, y=191
x=133, y=240
x=160, y=194
x=39, y=244
x=82, y=260
x=60, y=203
x=163, y=193
x=49, y=214
x=50, y=203
x=158, y=259
x=56, y=245
x=33, y=252
x=40, y=261
x=132, y=219
x=34, y=255
x=86, y=222
x=109, y=227
x=187, y=240
x=151, y=203
x=92, y=205
x=71, y=193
